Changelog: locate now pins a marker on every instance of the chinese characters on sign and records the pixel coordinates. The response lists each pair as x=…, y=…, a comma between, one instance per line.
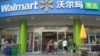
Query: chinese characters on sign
x=69, y=4
x=91, y=5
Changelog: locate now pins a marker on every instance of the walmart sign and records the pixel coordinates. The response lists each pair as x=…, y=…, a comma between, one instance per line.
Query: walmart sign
x=19, y=7
x=23, y=7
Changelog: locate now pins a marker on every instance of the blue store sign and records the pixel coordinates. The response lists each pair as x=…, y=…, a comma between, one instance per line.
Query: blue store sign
x=24, y=7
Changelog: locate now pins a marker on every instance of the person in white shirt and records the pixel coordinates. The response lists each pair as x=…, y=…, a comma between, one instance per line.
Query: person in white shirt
x=2, y=43
x=64, y=44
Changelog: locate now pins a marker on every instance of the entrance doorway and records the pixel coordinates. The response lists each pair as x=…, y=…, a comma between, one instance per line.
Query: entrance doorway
x=46, y=37
x=38, y=40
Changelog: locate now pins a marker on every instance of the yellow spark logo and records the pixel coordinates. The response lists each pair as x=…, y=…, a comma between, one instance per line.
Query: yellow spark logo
x=46, y=4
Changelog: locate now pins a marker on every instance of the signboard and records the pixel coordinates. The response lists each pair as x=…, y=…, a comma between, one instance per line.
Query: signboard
x=91, y=5
x=24, y=7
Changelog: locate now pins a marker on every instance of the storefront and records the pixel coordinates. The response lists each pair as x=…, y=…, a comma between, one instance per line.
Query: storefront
x=36, y=31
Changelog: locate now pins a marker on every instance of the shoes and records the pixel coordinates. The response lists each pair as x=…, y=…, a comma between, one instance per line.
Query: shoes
x=55, y=53
x=50, y=53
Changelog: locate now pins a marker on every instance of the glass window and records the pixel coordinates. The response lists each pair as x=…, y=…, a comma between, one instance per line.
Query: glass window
x=30, y=42
x=98, y=37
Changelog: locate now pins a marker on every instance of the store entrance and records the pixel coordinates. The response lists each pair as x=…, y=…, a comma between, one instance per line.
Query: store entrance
x=41, y=39
x=46, y=38
x=55, y=38
x=38, y=40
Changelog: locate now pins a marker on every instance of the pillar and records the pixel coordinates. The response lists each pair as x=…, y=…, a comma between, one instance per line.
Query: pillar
x=76, y=32
x=23, y=36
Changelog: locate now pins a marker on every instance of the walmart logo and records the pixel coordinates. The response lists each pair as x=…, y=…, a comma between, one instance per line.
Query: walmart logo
x=46, y=4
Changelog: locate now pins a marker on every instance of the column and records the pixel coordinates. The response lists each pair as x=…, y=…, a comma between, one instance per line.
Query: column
x=23, y=36
x=76, y=32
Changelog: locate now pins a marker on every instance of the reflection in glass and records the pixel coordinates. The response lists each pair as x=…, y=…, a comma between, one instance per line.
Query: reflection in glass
x=98, y=38
x=37, y=42
x=30, y=42
x=14, y=39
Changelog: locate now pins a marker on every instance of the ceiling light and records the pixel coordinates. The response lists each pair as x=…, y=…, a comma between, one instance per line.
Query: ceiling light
x=81, y=16
x=8, y=20
x=32, y=17
x=64, y=28
x=39, y=29
x=71, y=17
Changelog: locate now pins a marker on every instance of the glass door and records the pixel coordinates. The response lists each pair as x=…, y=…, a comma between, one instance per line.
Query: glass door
x=37, y=43
x=98, y=38
x=41, y=38
x=92, y=40
x=49, y=39
x=30, y=42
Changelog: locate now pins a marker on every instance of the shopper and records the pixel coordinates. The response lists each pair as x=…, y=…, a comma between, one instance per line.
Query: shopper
x=50, y=43
x=7, y=50
x=93, y=45
x=70, y=48
x=64, y=44
x=2, y=44
x=55, y=47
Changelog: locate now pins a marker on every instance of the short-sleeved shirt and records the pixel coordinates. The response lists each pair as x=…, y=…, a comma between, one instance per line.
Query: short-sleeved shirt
x=64, y=43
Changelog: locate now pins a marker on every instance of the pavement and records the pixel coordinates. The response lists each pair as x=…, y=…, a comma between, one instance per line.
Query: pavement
x=37, y=54
x=40, y=54
x=43, y=54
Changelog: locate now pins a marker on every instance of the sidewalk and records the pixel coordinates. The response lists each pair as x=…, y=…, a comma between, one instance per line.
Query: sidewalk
x=39, y=54
x=36, y=54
